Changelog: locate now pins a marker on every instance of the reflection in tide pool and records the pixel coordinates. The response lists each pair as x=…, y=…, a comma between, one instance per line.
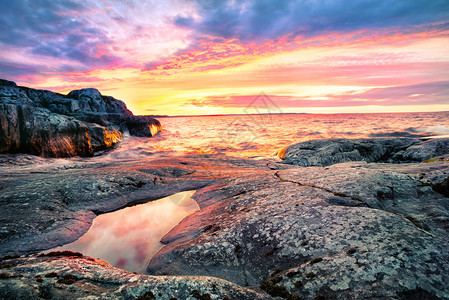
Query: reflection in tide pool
x=129, y=237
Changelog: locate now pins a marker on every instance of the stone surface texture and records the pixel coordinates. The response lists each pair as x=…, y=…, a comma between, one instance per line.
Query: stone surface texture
x=49, y=124
x=350, y=230
x=385, y=150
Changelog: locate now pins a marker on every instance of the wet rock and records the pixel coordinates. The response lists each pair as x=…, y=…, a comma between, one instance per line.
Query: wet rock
x=53, y=125
x=138, y=126
x=385, y=150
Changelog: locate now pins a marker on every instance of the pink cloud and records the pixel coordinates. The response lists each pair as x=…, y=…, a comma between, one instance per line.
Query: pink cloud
x=418, y=94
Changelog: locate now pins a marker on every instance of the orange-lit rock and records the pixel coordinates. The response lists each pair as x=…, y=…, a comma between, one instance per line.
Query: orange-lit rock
x=53, y=125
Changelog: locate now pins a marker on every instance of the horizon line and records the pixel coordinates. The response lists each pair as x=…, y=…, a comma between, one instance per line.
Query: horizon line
x=293, y=113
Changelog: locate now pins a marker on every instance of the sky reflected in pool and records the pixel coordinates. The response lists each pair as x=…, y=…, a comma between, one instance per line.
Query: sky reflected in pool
x=129, y=237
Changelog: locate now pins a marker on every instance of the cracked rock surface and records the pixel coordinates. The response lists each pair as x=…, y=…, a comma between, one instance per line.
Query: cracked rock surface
x=347, y=231
x=394, y=227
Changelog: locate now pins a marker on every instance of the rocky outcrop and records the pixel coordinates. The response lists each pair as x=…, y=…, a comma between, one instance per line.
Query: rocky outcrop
x=4, y=82
x=37, y=131
x=352, y=230
x=70, y=275
x=53, y=125
x=386, y=150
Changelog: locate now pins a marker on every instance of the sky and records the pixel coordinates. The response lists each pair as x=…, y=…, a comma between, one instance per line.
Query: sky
x=184, y=57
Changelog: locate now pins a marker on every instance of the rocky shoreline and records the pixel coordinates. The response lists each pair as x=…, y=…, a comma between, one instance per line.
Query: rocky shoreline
x=336, y=219
x=347, y=230
x=80, y=123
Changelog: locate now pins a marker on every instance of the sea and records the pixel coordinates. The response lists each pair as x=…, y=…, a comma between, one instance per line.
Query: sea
x=263, y=135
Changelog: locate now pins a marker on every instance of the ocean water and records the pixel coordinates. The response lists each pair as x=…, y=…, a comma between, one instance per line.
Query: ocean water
x=262, y=136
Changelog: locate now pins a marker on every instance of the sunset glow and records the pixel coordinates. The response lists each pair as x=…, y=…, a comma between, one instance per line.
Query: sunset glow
x=214, y=57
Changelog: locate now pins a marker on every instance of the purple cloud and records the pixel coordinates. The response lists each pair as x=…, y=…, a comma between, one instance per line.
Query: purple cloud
x=269, y=19
x=417, y=94
x=56, y=29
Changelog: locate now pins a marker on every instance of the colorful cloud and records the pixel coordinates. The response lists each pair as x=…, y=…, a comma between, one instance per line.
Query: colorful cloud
x=202, y=56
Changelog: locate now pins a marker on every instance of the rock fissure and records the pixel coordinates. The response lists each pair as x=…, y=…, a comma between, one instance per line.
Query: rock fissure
x=323, y=189
x=339, y=194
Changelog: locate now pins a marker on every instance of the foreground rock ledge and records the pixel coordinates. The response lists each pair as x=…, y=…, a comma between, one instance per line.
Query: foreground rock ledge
x=347, y=231
x=68, y=275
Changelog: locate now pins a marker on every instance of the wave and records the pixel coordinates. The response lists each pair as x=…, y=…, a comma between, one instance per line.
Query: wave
x=433, y=129
x=397, y=134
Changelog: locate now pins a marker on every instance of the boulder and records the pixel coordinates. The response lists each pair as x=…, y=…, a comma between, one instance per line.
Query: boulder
x=38, y=131
x=138, y=126
x=385, y=150
x=80, y=123
x=88, y=94
x=426, y=150
x=4, y=82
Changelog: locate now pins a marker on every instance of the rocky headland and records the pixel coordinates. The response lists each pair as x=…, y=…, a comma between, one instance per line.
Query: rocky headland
x=337, y=219
x=49, y=124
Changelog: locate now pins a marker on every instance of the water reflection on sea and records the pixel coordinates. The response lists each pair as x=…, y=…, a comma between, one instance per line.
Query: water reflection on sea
x=263, y=136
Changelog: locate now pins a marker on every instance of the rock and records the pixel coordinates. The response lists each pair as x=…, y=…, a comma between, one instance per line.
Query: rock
x=426, y=150
x=4, y=82
x=387, y=150
x=47, y=205
x=289, y=220
x=88, y=94
x=80, y=114
x=139, y=126
x=352, y=230
x=102, y=138
x=69, y=275
x=105, y=110
x=38, y=131
x=442, y=187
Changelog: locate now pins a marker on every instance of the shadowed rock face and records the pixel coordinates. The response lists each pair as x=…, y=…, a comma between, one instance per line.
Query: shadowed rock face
x=53, y=125
x=37, y=131
x=4, y=82
x=385, y=150
x=349, y=231
x=442, y=187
